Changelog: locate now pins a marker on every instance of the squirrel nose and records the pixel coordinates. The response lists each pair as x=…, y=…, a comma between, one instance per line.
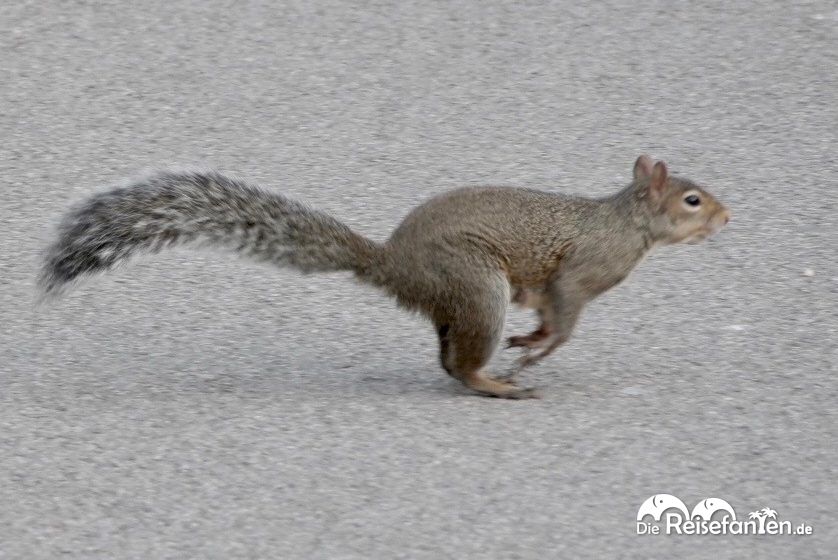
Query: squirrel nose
x=727, y=216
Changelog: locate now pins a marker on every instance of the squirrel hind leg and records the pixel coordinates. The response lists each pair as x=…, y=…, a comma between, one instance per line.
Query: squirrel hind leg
x=464, y=353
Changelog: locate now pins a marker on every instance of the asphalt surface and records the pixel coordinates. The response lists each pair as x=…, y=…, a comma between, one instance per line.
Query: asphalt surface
x=192, y=405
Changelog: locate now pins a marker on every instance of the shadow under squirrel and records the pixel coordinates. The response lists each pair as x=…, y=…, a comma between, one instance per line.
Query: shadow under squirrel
x=458, y=259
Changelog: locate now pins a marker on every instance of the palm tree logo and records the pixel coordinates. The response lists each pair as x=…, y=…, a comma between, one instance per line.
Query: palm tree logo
x=761, y=515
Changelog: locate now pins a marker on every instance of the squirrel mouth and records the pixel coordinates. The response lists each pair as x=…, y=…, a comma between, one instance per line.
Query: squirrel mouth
x=699, y=236
x=703, y=234
x=709, y=230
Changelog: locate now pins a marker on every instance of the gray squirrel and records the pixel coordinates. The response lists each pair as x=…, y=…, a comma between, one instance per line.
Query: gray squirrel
x=458, y=259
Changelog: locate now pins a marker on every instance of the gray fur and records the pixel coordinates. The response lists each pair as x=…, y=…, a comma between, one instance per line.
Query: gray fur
x=456, y=259
x=173, y=208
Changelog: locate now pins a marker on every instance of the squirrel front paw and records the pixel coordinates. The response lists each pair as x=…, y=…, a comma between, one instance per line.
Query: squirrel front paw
x=533, y=340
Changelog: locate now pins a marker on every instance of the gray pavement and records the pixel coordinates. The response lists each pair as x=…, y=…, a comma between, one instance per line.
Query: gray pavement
x=192, y=405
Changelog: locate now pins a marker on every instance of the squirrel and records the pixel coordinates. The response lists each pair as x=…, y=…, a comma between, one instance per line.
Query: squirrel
x=459, y=259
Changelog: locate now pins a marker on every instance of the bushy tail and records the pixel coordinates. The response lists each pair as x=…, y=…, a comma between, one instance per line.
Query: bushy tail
x=172, y=208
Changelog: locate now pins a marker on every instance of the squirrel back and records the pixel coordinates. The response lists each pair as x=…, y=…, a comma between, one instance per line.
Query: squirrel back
x=459, y=258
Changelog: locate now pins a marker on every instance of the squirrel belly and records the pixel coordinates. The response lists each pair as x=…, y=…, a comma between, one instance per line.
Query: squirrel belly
x=459, y=259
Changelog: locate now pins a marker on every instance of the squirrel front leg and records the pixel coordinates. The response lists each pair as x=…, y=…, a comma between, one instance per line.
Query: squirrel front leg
x=558, y=319
x=536, y=338
x=540, y=301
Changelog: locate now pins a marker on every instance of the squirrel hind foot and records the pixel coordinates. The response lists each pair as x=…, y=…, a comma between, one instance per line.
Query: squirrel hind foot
x=498, y=388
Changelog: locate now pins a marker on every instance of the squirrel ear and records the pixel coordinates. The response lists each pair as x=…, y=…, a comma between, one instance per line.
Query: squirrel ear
x=659, y=176
x=643, y=168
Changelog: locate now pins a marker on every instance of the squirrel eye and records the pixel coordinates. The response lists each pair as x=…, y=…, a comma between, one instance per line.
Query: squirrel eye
x=693, y=200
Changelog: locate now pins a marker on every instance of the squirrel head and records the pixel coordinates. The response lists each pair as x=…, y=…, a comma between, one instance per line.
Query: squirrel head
x=679, y=211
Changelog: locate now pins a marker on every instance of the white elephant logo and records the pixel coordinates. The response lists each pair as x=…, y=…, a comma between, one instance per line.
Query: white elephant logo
x=659, y=503
x=706, y=508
